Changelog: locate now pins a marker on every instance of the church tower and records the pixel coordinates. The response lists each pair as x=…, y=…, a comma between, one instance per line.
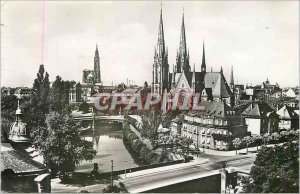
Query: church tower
x=203, y=65
x=232, y=97
x=182, y=60
x=97, y=76
x=231, y=79
x=160, y=71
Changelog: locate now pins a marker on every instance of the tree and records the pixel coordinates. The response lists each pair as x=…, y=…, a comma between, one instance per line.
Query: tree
x=275, y=137
x=151, y=121
x=247, y=140
x=8, y=108
x=59, y=95
x=84, y=107
x=236, y=144
x=257, y=140
x=39, y=106
x=275, y=170
x=266, y=138
x=61, y=143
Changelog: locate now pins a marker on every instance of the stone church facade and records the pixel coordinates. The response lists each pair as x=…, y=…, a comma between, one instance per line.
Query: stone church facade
x=212, y=86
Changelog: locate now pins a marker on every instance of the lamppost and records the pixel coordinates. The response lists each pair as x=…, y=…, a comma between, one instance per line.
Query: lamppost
x=112, y=170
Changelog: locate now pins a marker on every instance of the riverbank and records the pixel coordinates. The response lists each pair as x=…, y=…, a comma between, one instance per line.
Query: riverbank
x=142, y=147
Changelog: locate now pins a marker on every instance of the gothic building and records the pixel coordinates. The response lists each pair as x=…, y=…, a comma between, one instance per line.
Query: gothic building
x=91, y=82
x=211, y=85
x=93, y=77
x=160, y=70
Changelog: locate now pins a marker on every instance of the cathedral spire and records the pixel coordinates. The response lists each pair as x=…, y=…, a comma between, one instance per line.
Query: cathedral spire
x=160, y=65
x=173, y=76
x=194, y=78
x=161, y=38
x=231, y=77
x=97, y=74
x=183, y=57
x=203, y=65
x=182, y=47
x=96, y=51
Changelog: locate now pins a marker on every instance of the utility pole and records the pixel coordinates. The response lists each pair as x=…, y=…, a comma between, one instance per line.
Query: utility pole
x=112, y=170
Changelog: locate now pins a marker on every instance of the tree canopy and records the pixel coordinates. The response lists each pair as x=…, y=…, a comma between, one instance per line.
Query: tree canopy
x=275, y=170
x=61, y=144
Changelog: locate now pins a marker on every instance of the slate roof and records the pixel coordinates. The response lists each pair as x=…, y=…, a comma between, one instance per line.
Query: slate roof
x=287, y=112
x=214, y=109
x=257, y=109
x=214, y=83
x=179, y=118
x=17, y=160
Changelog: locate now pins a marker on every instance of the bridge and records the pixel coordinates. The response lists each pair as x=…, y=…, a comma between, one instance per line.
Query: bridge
x=153, y=179
x=89, y=117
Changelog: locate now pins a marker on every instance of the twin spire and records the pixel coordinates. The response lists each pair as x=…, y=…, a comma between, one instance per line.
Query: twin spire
x=182, y=61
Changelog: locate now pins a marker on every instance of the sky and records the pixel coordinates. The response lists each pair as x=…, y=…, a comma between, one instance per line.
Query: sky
x=259, y=39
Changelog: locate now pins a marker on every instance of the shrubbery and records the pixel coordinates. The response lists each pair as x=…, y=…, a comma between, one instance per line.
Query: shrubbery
x=141, y=149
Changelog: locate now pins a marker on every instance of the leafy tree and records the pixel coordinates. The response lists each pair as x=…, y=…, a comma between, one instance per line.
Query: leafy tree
x=275, y=170
x=257, y=140
x=84, y=107
x=151, y=121
x=247, y=140
x=59, y=95
x=266, y=138
x=8, y=109
x=61, y=143
x=39, y=106
x=236, y=144
x=275, y=136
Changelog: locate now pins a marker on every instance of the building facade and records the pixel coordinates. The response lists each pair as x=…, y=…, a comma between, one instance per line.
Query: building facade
x=215, y=118
x=211, y=85
x=289, y=118
x=260, y=118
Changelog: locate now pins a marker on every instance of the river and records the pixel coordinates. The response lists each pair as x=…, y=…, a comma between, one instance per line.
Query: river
x=108, y=142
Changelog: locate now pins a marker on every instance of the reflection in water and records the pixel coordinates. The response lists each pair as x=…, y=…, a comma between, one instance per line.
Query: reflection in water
x=108, y=142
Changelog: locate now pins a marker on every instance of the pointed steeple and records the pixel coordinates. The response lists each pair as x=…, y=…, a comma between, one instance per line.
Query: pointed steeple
x=182, y=46
x=231, y=77
x=194, y=78
x=173, y=75
x=183, y=57
x=203, y=65
x=96, y=51
x=161, y=38
x=97, y=76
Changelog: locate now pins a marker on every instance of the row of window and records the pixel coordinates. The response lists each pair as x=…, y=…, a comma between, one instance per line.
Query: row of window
x=206, y=141
x=285, y=122
x=194, y=130
x=206, y=121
